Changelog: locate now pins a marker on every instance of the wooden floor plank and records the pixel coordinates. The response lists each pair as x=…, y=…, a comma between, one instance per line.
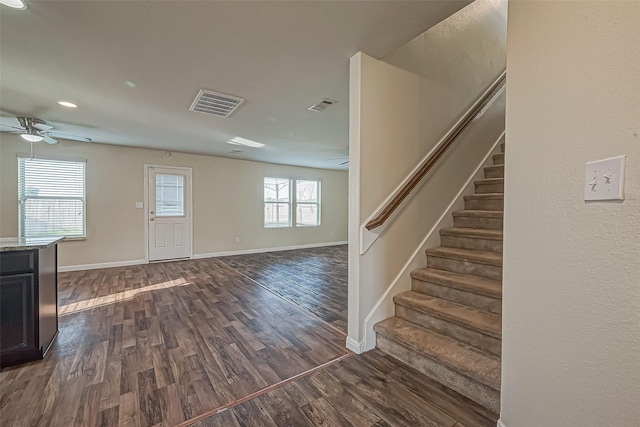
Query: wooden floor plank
x=315, y=279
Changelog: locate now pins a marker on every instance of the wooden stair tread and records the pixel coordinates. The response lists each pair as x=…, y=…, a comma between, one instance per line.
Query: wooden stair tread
x=466, y=282
x=469, y=317
x=479, y=214
x=469, y=255
x=475, y=233
x=465, y=359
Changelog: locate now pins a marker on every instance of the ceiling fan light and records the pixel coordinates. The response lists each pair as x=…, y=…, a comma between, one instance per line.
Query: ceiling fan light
x=31, y=138
x=16, y=4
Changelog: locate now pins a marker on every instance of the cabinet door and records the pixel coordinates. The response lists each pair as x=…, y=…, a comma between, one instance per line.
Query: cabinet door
x=16, y=313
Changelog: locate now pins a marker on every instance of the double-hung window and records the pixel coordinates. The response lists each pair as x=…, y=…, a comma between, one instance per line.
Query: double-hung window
x=279, y=208
x=307, y=202
x=51, y=197
x=277, y=202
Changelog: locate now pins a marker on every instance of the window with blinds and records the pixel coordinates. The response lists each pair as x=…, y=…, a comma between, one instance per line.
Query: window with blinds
x=51, y=197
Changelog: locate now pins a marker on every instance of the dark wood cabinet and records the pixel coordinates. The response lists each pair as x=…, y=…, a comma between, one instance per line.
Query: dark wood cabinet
x=28, y=304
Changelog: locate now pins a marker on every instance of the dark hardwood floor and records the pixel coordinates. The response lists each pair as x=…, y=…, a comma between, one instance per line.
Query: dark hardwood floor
x=314, y=279
x=371, y=389
x=202, y=336
x=174, y=343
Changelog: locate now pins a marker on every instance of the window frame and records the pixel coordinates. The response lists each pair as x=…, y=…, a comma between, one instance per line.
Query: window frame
x=277, y=202
x=22, y=198
x=317, y=203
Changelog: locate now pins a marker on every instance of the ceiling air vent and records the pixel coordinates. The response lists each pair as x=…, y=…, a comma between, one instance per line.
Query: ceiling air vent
x=218, y=104
x=322, y=105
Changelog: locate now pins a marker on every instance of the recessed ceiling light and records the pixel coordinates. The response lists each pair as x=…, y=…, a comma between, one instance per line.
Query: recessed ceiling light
x=247, y=142
x=68, y=104
x=16, y=4
x=130, y=83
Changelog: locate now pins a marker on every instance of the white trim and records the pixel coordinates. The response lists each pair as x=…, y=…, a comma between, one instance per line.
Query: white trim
x=189, y=174
x=353, y=287
x=261, y=250
x=377, y=314
x=501, y=423
x=48, y=157
x=80, y=267
x=355, y=346
x=367, y=238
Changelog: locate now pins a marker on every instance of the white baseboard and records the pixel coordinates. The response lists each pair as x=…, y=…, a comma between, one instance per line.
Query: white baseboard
x=80, y=267
x=501, y=423
x=261, y=250
x=355, y=346
x=101, y=265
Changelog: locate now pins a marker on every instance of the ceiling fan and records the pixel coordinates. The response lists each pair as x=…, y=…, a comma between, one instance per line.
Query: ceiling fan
x=36, y=130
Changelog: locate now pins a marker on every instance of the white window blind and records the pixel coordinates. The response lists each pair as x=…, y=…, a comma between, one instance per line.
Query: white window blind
x=51, y=197
x=169, y=195
x=277, y=202
x=307, y=202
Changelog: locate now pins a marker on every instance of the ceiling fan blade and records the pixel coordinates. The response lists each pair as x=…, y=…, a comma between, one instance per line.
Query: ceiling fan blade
x=67, y=136
x=49, y=140
x=9, y=128
x=42, y=127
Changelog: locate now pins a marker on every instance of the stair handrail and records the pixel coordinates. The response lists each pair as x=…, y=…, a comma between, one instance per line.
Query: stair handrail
x=442, y=147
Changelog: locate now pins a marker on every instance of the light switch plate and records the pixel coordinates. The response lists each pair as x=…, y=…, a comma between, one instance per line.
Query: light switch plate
x=139, y=205
x=604, y=179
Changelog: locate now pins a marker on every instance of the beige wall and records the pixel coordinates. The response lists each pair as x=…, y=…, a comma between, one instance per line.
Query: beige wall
x=571, y=316
x=396, y=117
x=227, y=199
x=456, y=60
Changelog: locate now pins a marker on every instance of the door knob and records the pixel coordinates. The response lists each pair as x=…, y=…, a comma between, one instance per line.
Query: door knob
x=151, y=219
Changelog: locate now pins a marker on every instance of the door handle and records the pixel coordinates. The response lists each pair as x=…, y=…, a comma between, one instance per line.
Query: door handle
x=151, y=219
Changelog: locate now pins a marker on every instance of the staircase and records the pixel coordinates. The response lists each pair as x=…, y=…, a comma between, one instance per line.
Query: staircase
x=449, y=326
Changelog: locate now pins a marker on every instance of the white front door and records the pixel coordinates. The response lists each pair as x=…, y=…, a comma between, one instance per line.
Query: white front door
x=169, y=212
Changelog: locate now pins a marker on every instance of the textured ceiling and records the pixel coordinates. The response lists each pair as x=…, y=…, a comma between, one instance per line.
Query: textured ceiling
x=280, y=56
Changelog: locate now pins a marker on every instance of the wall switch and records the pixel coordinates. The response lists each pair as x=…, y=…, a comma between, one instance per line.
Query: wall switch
x=237, y=239
x=604, y=179
x=139, y=205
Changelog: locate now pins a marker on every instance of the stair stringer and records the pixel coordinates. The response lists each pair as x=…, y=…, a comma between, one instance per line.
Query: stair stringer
x=385, y=307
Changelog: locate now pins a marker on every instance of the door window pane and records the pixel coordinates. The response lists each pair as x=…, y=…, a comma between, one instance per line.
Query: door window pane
x=169, y=195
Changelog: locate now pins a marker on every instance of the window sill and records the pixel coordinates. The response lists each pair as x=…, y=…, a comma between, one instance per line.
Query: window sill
x=74, y=239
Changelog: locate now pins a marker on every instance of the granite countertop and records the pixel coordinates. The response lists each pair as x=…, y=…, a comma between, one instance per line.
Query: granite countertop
x=27, y=243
